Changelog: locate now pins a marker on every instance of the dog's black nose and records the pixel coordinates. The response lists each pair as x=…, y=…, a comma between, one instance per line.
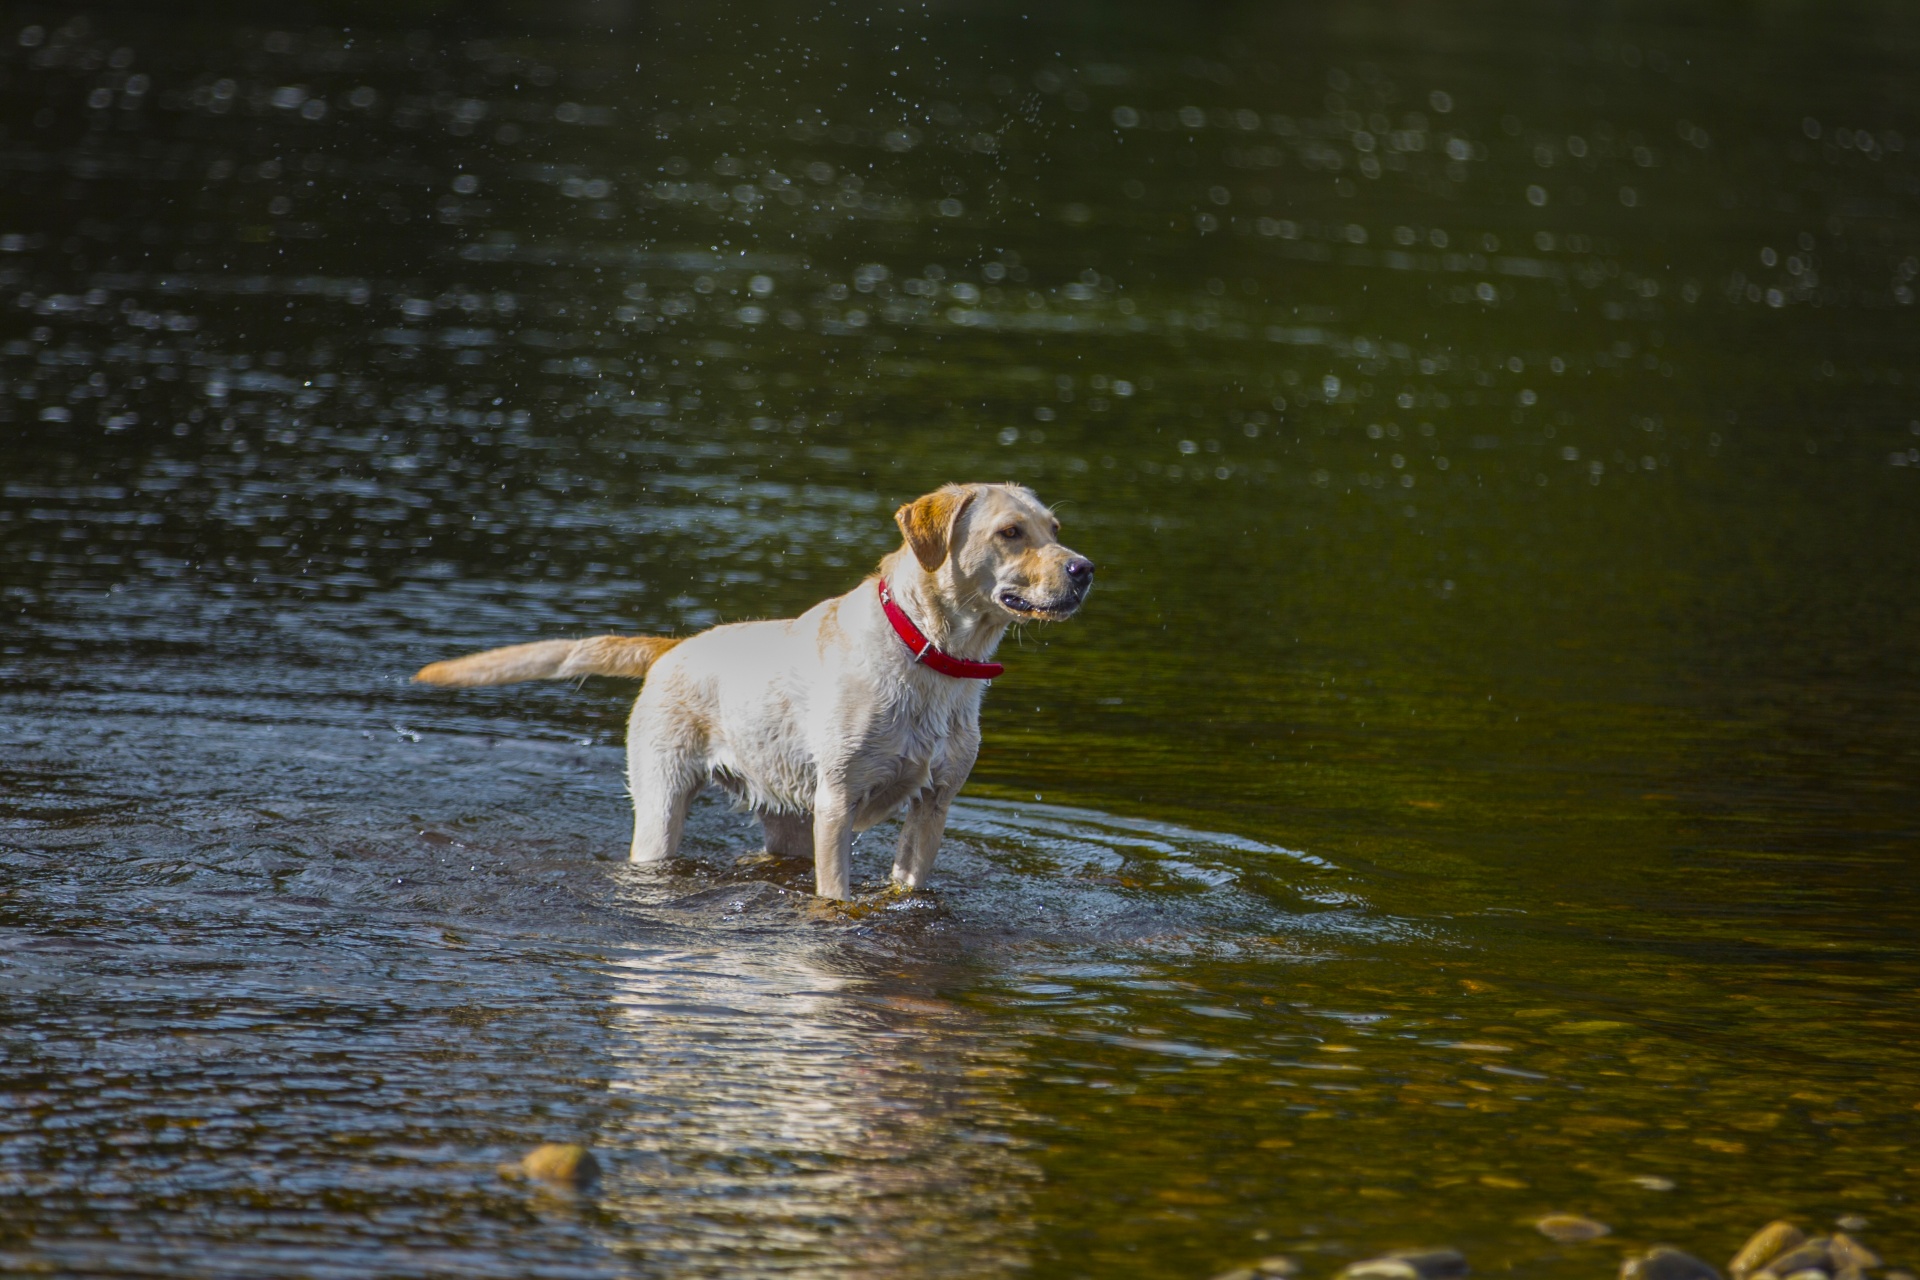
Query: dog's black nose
x=1080, y=569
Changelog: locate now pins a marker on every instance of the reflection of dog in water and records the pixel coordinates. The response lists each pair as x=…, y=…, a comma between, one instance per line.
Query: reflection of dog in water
x=825, y=724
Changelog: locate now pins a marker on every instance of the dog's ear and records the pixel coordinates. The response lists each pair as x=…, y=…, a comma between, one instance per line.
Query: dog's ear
x=928, y=523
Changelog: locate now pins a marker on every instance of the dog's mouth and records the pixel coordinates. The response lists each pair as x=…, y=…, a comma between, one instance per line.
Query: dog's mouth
x=1015, y=603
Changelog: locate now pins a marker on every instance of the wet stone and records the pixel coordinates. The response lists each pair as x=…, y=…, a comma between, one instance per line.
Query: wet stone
x=1809, y=1255
x=1379, y=1269
x=1766, y=1244
x=1846, y=1252
x=1569, y=1228
x=1663, y=1263
x=562, y=1163
x=1275, y=1267
x=1409, y=1264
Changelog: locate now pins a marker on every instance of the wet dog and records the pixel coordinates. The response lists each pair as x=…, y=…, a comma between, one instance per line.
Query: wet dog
x=865, y=707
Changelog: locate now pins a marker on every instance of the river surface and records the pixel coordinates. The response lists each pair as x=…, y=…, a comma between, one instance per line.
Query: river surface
x=1485, y=783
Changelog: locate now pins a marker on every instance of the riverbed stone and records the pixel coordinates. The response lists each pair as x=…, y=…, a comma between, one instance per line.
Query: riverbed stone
x=1845, y=1251
x=1409, y=1264
x=1763, y=1246
x=1664, y=1263
x=1570, y=1228
x=1809, y=1255
x=562, y=1163
x=1274, y=1267
x=1379, y=1269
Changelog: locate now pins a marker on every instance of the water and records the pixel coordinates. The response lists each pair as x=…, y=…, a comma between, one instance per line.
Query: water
x=1483, y=784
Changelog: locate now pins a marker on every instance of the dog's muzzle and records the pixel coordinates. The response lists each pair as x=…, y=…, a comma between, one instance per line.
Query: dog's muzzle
x=1079, y=572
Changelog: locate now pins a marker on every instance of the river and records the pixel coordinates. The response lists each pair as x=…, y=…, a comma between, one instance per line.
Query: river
x=1484, y=783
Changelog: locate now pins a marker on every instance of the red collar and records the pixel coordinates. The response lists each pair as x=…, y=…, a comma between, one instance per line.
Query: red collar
x=924, y=652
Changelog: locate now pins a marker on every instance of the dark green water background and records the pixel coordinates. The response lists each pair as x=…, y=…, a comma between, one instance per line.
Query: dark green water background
x=1483, y=784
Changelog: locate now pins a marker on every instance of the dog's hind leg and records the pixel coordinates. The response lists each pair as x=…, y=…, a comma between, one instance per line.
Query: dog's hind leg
x=659, y=814
x=663, y=780
x=788, y=835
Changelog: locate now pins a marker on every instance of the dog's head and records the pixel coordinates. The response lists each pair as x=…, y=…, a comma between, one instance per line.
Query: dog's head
x=1001, y=546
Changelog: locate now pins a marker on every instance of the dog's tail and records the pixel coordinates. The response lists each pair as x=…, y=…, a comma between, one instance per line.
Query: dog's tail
x=551, y=660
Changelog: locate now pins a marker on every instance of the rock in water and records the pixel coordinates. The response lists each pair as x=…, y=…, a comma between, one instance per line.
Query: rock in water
x=1663, y=1263
x=1569, y=1228
x=1277, y=1267
x=565, y=1163
x=1809, y=1255
x=1410, y=1264
x=1379, y=1269
x=1763, y=1246
x=1848, y=1252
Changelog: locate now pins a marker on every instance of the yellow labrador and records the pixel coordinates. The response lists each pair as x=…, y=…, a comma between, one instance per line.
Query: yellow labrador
x=865, y=705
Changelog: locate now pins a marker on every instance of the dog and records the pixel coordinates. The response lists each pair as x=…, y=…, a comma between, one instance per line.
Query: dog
x=864, y=707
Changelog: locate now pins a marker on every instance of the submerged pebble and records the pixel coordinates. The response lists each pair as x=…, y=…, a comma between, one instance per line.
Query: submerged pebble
x=1276, y=1267
x=565, y=1164
x=1379, y=1269
x=1763, y=1246
x=1569, y=1228
x=1846, y=1252
x=1777, y=1251
x=1781, y=1251
x=1809, y=1255
x=1664, y=1263
x=1409, y=1264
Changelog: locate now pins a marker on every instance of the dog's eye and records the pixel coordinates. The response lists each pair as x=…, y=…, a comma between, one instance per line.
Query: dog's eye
x=1011, y=531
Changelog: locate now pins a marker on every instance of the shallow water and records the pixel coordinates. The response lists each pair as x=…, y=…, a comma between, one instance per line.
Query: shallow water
x=1483, y=784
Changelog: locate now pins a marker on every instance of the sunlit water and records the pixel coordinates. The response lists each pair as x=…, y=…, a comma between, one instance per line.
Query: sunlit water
x=1483, y=784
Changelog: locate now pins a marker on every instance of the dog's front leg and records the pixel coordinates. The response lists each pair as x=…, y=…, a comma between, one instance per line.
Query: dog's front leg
x=832, y=842
x=926, y=823
x=920, y=838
